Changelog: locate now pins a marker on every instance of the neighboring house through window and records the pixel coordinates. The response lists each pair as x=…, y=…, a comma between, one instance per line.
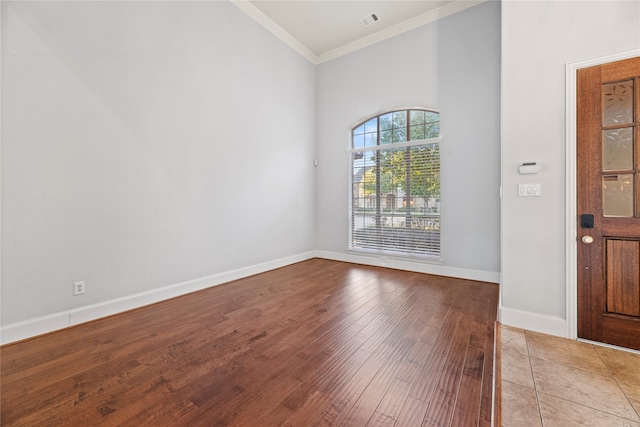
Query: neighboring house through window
x=395, y=184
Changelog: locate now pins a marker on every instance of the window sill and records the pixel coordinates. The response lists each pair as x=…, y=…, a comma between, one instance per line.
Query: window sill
x=394, y=256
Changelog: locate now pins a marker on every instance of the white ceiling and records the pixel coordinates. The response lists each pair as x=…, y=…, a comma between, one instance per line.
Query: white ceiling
x=324, y=29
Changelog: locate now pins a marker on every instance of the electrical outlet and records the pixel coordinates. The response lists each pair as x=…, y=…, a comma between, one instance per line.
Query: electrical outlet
x=78, y=288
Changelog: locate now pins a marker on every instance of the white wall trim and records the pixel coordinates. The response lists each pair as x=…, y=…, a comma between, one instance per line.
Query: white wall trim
x=399, y=28
x=275, y=29
x=536, y=322
x=571, y=258
x=418, y=267
x=53, y=322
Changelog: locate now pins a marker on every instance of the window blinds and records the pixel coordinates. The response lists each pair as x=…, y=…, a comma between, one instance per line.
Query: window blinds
x=395, y=184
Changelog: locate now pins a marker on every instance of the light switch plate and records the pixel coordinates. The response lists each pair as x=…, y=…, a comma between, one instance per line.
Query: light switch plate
x=530, y=190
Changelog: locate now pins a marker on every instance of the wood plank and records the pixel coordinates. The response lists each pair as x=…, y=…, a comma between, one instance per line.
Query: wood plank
x=315, y=343
x=467, y=405
x=380, y=420
x=443, y=402
x=412, y=413
x=424, y=387
x=374, y=392
x=309, y=411
x=262, y=401
x=394, y=398
x=496, y=409
x=345, y=393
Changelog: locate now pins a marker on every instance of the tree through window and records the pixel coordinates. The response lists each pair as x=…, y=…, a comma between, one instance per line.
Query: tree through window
x=395, y=183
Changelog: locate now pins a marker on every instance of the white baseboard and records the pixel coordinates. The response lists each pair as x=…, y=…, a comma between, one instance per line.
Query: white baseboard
x=41, y=325
x=416, y=266
x=536, y=322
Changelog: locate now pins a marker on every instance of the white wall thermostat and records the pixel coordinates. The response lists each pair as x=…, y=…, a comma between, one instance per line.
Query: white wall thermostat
x=528, y=167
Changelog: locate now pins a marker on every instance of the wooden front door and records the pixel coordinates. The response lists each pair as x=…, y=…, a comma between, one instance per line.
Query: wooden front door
x=608, y=168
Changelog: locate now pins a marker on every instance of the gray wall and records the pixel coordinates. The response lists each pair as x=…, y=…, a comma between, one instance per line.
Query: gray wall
x=124, y=125
x=452, y=65
x=145, y=144
x=538, y=39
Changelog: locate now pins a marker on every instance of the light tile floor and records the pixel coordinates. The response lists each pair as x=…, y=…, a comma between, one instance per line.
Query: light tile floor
x=550, y=381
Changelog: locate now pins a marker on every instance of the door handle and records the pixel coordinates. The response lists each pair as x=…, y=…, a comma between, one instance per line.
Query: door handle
x=587, y=239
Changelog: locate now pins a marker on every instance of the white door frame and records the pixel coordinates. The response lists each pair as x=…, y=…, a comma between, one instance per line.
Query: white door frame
x=571, y=261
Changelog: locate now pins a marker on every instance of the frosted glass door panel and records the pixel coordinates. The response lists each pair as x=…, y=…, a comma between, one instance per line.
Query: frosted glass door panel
x=617, y=99
x=617, y=149
x=617, y=195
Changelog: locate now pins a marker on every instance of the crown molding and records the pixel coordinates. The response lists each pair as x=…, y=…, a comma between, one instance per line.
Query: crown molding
x=410, y=24
x=399, y=28
x=275, y=29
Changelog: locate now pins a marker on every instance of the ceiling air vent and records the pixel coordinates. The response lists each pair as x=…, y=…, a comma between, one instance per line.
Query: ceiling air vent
x=369, y=19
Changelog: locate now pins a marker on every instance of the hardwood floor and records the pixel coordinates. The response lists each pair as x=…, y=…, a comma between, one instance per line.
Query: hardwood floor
x=318, y=343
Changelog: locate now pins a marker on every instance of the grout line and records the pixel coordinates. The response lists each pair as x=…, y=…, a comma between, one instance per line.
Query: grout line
x=595, y=347
x=604, y=362
x=569, y=400
x=574, y=403
x=616, y=379
x=535, y=386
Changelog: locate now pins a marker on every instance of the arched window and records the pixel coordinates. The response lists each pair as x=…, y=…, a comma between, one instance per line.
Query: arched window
x=395, y=183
